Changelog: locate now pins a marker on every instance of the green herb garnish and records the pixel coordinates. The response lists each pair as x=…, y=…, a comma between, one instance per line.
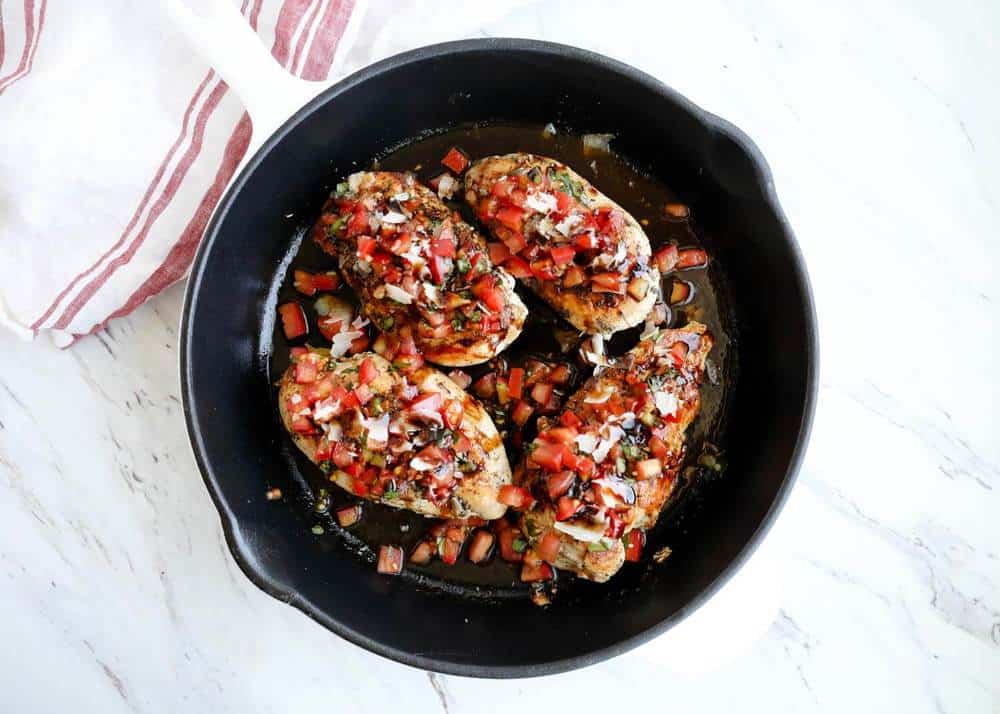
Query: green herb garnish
x=598, y=546
x=519, y=545
x=343, y=188
x=387, y=323
x=391, y=494
x=334, y=228
x=463, y=265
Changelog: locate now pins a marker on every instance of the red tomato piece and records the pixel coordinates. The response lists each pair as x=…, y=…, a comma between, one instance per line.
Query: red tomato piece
x=422, y=554
x=511, y=217
x=521, y=413
x=498, y=252
x=559, y=483
x=293, y=320
x=306, y=371
x=548, y=546
x=559, y=375
x=303, y=425
x=455, y=160
x=367, y=371
x=658, y=447
x=444, y=245
x=559, y=435
x=535, y=573
x=678, y=351
x=449, y=551
x=304, y=282
x=562, y=254
x=541, y=392
x=481, y=546
x=691, y=258
x=607, y=282
x=585, y=467
x=564, y=201
x=635, y=540
x=518, y=267
x=358, y=222
x=509, y=551
x=486, y=386
x=584, y=241
x=514, y=240
x=390, y=560
x=440, y=268
x=567, y=507
x=514, y=496
x=486, y=290
x=366, y=247
x=568, y=418
x=548, y=456
x=515, y=382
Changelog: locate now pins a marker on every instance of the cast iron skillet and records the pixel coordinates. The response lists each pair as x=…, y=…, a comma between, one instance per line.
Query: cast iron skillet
x=228, y=314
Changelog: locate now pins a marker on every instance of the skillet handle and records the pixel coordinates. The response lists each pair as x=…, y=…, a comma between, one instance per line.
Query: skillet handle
x=223, y=37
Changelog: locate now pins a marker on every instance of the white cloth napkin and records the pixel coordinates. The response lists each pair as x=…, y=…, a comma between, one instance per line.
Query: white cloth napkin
x=117, y=143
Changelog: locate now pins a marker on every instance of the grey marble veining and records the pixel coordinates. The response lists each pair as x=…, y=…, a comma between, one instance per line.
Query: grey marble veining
x=880, y=123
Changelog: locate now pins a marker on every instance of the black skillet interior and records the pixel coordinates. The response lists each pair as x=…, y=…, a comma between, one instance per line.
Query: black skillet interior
x=230, y=308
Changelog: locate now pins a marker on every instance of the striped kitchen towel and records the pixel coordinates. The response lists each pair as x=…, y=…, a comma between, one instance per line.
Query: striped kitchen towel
x=117, y=143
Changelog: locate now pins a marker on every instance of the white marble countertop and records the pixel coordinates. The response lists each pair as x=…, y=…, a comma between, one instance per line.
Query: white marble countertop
x=880, y=121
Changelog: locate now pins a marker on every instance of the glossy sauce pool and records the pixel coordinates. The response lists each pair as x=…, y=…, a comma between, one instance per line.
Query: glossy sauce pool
x=638, y=193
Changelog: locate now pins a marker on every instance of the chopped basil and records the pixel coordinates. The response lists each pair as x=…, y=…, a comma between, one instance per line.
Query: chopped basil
x=532, y=528
x=655, y=381
x=343, y=188
x=375, y=407
x=387, y=323
x=475, y=316
x=463, y=265
x=620, y=465
x=325, y=466
x=458, y=322
x=568, y=185
x=519, y=545
x=391, y=494
x=534, y=175
x=598, y=546
x=334, y=228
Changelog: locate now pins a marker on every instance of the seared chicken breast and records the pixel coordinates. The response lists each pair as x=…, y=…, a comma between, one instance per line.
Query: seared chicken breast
x=414, y=262
x=608, y=463
x=576, y=248
x=407, y=440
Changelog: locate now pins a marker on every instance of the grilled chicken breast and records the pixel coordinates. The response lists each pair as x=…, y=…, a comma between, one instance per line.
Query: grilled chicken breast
x=413, y=441
x=608, y=463
x=569, y=243
x=414, y=263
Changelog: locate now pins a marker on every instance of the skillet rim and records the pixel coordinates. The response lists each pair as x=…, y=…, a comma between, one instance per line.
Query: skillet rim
x=240, y=550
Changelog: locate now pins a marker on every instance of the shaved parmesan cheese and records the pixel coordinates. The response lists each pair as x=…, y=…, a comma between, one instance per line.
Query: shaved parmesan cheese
x=378, y=431
x=392, y=217
x=447, y=186
x=325, y=410
x=334, y=431
x=401, y=196
x=418, y=464
x=541, y=202
x=666, y=403
x=342, y=342
x=597, y=142
x=566, y=224
x=601, y=396
x=614, y=489
x=586, y=443
x=587, y=532
x=398, y=294
x=432, y=294
x=354, y=181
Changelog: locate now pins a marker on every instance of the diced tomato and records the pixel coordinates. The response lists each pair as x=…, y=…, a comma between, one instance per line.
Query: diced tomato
x=563, y=201
x=635, y=540
x=449, y=551
x=648, y=469
x=558, y=483
x=360, y=488
x=363, y=394
x=508, y=550
x=541, y=392
x=573, y=276
x=444, y=245
x=422, y=554
x=486, y=290
x=515, y=382
x=666, y=258
x=342, y=456
x=350, y=401
x=440, y=268
x=355, y=470
x=584, y=241
x=521, y=413
x=366, y=247
x=548, y=456
x=517, y=267
x=610, y=220
x=562, y=254
x=347, y=517
x=358, y=222
x=329, y=326
x=502, y=188
x=679, y=351
x=532, y=573
x=570, y=459
x=297, y=352
x=511, y=217
x=304, y=283
x=293, y=320
x=559, y=435
x=324, y=450
x=513, y=240
x=455, y=160
x=606, y=282
x=517, y=197
x=359, y=344
x=548, y=546
x=616, y=526
x=367, y=371
x=514, y=496
x=543, y=269
x=303, y=425
x=481, y=546
x=390, y=560
x=498, y=252
x=486, y=386
x=428, y=404
x=585, y=467
x=560, y=375
x=691, y=258
x=567, y=507
x=568, y=418
x=306, y=371
x=657, y=447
